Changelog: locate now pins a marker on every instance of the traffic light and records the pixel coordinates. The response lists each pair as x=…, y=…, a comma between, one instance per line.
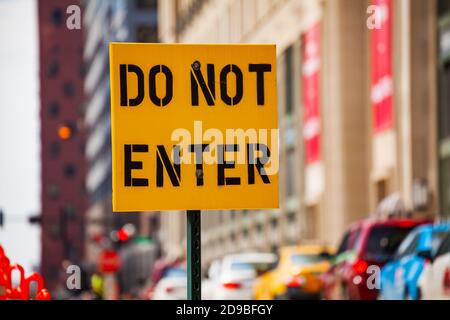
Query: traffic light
x=123, y=235
x=35, y=219
x=65, y=132
x=1, y=218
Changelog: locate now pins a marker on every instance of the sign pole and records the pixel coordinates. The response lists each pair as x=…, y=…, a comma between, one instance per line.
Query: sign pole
x=193, y=255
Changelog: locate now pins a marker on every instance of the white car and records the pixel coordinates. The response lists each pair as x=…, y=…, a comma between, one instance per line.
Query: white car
x=172, y=286
x=208, y=284
x=235, y=278
x=434, y=282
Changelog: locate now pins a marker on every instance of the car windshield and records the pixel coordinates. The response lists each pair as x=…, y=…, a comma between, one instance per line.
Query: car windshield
x=437, y=239
x=306, y=259
x=444, y=247
x=259, y=267
x=383, y=242
x=174, y=272
x=344, y=243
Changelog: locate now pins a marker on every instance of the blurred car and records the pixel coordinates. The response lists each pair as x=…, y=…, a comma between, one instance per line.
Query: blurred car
x=399, y=278
x=235, y=277
x=209, y=283
x=365, y=247
x=296, y=275
x=172, y=285
x=434, y=282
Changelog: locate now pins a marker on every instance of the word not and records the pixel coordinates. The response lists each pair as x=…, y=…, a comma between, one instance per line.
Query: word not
x=197, y=80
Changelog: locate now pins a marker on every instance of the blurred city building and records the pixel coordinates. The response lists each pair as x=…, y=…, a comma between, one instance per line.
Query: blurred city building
x=106, y=21
x=358, y=108
x=443, y=113
x=63, y=166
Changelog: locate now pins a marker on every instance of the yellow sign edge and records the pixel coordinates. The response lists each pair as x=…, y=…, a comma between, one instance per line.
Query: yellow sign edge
x=115, y=207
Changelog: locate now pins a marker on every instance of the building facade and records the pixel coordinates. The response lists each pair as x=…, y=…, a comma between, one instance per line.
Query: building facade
x=63, y=196
x=443, y=51
x=106, y=21
x=358, y=114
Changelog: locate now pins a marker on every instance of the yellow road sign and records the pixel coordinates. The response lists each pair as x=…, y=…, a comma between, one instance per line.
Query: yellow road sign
x=193, y=126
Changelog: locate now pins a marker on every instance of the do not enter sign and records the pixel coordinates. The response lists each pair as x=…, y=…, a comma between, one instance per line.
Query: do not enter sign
x=193, y=126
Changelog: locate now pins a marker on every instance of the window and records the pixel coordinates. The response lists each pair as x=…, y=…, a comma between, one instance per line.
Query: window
x=83, y=69
x=154, y=224
x=53, y=109
x=274, y=223
x=381, y=190
x=82, y=148
x=309, y=225
x=54, y=231
x=408, y=246
x=291, y=172
x=55, y=49
x=444, y=247
x=69, y=89
x=174, y=272
x=436, y=240
x=57, y=17
x=383, y=241
x=344, y=243
x=259, y=228
x=53, y=191
x=69, y=211
x=241, y=266
x=146, y=34
x=291, y=218
x=70, y=170
x=443, y=7
x=306, y=259
x=83, y=189
x=52, y=69
x=355, y=239
x=54, y=149
x=259, y=267
x=289, y=94
x=146, y=4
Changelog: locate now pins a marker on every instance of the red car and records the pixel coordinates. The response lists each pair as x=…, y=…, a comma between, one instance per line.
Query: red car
x=364, y=249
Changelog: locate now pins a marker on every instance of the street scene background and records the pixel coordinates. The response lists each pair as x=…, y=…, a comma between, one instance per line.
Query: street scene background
x=364, y=175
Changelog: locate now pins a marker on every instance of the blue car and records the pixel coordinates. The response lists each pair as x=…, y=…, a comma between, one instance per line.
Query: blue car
x=399, y=277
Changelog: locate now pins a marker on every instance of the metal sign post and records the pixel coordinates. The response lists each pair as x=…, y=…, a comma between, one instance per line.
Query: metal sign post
x=194, y=284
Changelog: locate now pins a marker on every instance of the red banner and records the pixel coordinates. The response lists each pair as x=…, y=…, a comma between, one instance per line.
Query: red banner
x=311, y=93
x=382, y=83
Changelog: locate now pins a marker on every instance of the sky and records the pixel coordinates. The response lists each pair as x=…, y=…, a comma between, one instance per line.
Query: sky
x=19, y=131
